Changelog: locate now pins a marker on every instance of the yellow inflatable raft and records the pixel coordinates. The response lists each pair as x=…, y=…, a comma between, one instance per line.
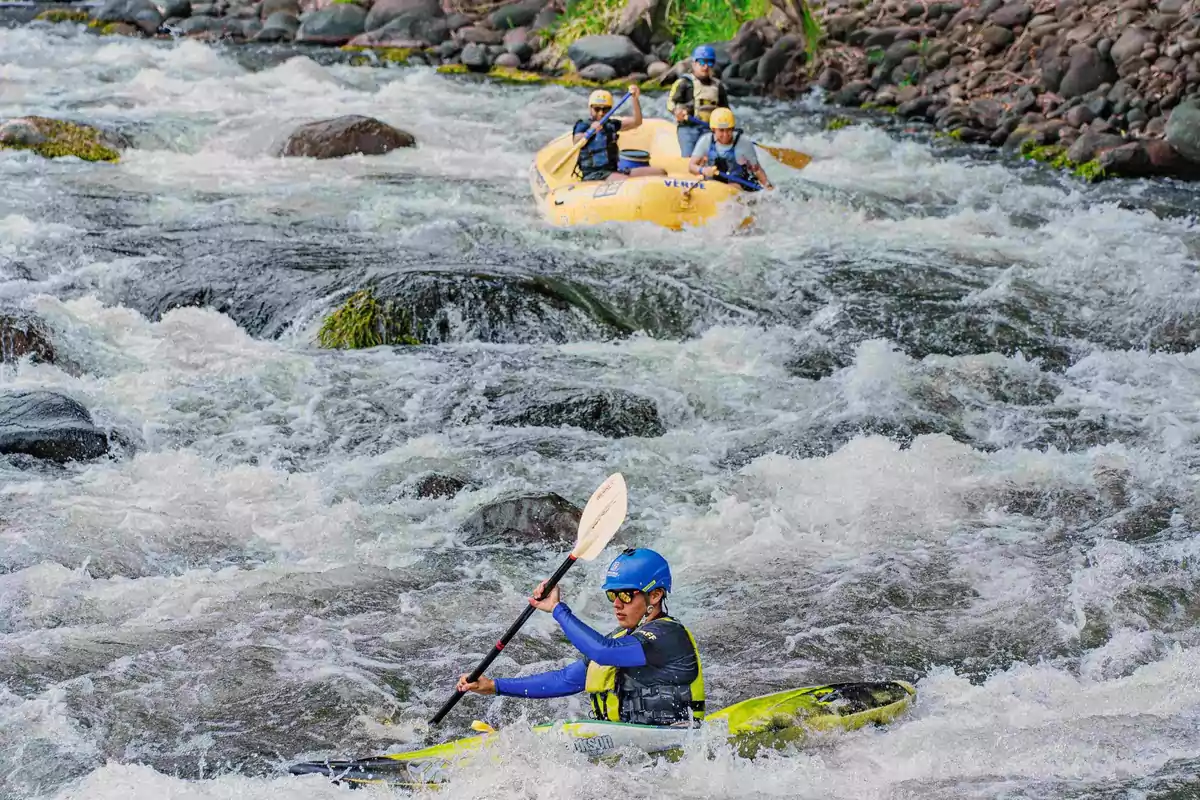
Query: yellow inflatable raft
x=676, y=200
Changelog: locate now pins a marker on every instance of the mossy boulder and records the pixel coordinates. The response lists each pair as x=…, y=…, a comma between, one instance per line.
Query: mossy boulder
x=53, y=138
x=57, y=15
x=363, y=321
x=141, y=14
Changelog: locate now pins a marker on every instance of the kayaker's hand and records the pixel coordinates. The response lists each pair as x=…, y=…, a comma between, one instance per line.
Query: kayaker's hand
x=635, y=90
x=546, y=603
x=681, y=114
x=709, y=172
x=484, y=685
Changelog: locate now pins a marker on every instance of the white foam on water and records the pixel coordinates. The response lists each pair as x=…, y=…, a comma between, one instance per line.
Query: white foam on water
x=251, y=479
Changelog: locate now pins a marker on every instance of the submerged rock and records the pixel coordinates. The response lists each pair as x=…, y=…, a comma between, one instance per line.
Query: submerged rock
x=525, y=519
x=609, y=412
x=48, y=425
x=23, y=334
x=434, y=484
x=343, y=136
x=53, y=138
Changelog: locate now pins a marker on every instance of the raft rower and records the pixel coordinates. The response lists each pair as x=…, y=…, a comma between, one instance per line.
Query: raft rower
x=724, y=150
x=599, y=160
x=694, y=97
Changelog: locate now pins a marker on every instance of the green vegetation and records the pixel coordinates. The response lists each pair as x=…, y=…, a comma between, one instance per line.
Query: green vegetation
x=688, y=22
x=696, y=22
x=837, y=123
x=383, y=55
x=1055, y=155
x=362, y=321
x=104, y=28
x=63, y=15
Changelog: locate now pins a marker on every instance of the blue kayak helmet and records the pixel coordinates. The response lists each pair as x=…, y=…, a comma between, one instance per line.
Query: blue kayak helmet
x=638, y=569
x=705, y=53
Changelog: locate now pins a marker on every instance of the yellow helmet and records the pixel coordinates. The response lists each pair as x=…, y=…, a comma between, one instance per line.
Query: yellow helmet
x=722, y=118
x=600, y=97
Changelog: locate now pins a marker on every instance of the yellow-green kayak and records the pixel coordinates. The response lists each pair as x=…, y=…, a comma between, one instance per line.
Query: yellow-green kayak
x=772, y=720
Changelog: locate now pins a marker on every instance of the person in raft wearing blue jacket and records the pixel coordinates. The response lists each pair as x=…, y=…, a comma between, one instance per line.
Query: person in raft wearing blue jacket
x=647, y=671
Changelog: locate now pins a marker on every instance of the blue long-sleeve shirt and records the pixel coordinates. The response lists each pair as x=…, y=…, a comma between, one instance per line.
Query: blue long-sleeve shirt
x=625, y=651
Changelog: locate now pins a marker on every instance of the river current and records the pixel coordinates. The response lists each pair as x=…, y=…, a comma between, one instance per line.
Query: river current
x=934, y=417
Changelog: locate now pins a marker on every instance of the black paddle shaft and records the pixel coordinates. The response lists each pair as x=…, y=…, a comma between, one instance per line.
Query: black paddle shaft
x=511, y=632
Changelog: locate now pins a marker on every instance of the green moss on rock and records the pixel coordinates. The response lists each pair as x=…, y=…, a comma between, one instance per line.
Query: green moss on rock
x=382, y=55
x=837, y=123
x=52, y=138
x=1055, y=155
x=362, y=322
x=57, y=15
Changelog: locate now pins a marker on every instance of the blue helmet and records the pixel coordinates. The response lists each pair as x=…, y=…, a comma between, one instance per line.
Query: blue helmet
x=638, y=569
x=704, y=52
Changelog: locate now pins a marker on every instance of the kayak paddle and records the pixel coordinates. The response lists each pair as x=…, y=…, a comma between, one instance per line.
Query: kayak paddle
x=603, y=514
x=793, y=158
x=591, y=132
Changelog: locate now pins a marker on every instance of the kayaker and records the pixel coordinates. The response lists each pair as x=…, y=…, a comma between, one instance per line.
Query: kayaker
x=646, y=672
x=725, y=150
x=599, y=160
x=694, y=97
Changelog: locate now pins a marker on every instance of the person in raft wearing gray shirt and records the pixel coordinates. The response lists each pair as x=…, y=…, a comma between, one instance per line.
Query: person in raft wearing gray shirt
x=726, y=150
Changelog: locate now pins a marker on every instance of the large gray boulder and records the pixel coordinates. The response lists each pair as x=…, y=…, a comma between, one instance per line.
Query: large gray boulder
x=618, y=52
x=48, y=425
x=1183, y=129
x=1087, y=71
x=384, y=12
x=343, y=136
x=337, y=24
x=142, y=13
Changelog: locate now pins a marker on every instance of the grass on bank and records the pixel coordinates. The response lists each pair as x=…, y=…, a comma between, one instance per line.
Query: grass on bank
x=688, y=22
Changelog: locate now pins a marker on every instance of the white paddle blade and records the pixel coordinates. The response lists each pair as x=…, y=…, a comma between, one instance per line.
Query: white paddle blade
x=603, y=514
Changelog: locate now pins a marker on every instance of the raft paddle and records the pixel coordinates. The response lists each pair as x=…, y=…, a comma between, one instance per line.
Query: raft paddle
x=792, y=158
x=745, y=184
x=603, y=514
x=591, y=132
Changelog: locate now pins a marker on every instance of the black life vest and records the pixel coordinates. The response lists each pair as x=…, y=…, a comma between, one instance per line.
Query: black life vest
x=601, y=152
x=651, y=695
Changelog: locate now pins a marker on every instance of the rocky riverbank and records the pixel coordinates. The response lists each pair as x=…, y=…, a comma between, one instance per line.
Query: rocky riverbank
x=1101, y=87
x=1104, y=87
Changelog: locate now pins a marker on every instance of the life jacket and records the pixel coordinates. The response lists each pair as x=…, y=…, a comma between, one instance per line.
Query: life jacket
x=706, y=97
x=618, y=696
x=601, y=152
x=728, y=163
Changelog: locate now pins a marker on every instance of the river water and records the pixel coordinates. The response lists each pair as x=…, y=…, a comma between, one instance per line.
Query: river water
x=934, y=418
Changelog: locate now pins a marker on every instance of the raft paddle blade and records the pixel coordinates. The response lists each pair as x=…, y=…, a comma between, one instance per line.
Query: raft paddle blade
x=793, y=158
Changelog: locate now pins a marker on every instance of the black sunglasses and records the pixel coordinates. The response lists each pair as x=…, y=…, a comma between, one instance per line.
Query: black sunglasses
x=626, y=595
